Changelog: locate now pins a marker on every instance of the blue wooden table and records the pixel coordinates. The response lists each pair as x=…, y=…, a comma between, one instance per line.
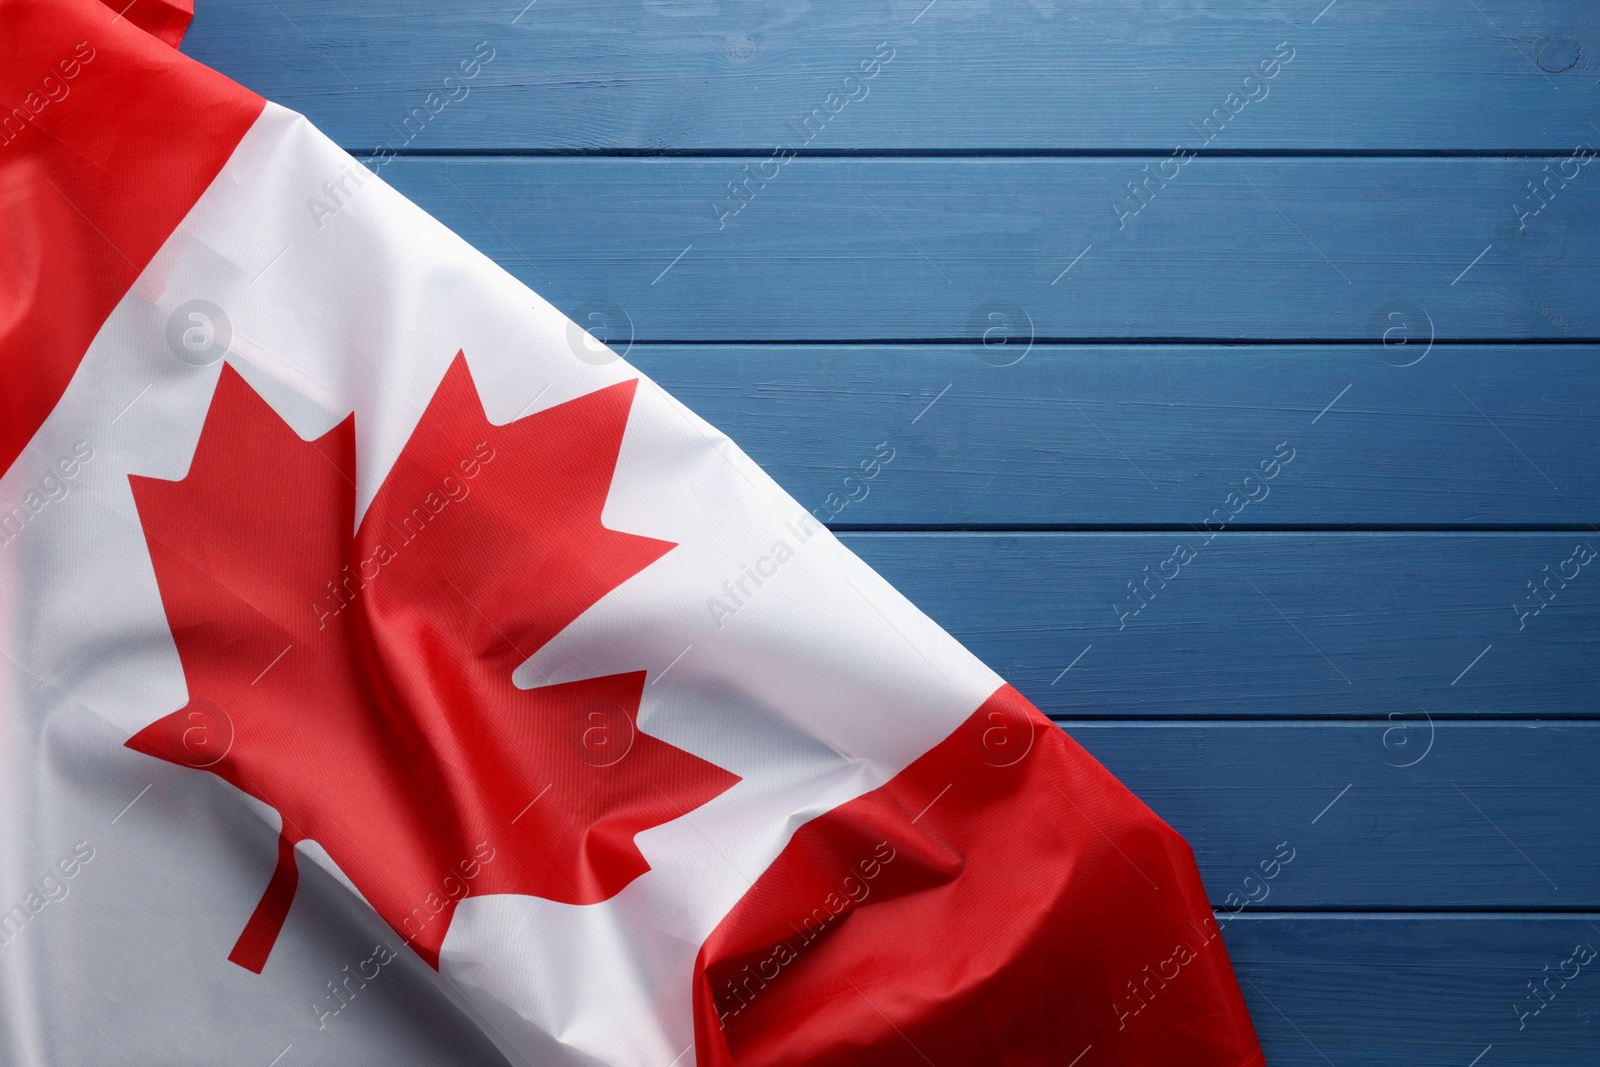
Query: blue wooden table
x=1238, y=366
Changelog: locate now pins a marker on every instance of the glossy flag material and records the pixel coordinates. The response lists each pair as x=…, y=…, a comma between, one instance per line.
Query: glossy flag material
x=393, y=674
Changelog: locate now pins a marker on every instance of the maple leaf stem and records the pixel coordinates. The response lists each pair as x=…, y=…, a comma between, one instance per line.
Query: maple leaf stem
x=266, y=922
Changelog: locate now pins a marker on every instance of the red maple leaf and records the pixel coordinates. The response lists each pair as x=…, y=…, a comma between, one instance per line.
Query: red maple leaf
x=362, y=685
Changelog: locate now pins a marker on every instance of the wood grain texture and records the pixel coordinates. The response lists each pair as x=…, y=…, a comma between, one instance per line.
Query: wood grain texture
x=1262, y=624
x=875, y=249
x=1138, y=434
x=1051, y=75
x=1402, y=812
x=1404, y=991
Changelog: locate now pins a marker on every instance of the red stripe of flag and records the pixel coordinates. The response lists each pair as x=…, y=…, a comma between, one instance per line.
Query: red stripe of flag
x=85, y=202
x=1002, y=901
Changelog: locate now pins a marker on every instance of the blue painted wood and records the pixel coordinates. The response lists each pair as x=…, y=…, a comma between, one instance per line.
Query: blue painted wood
x=926, y=248
x=1091, y=74
x=1138, y=434
x=1402, y=812
x=1416, y=991
x=1264, y=624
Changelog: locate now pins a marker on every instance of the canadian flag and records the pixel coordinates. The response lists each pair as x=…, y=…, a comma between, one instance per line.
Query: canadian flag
x=388, y=678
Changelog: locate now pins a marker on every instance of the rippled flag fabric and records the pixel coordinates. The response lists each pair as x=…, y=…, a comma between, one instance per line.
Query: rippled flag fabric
x=388, y=677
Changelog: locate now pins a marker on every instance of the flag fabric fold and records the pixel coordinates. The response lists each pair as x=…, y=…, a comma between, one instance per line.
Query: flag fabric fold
x=392, y=672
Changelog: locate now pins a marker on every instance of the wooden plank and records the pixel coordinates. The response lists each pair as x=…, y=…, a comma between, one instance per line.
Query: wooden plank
x=914, y=249
x=1417, y=991
x=1392, y=812
x=1092, y=74
x=1136, y=434
x=1264, y=624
